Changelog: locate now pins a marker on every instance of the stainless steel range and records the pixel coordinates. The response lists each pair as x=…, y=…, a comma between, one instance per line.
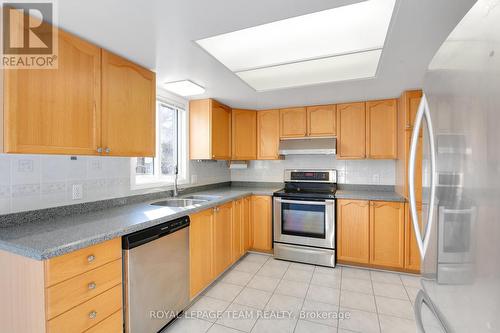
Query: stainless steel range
x=304, y=217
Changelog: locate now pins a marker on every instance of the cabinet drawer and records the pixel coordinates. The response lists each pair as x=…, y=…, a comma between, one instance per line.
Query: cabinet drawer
x=112, y=324
x=89, y=313
x=81, y=288
x=69, y=265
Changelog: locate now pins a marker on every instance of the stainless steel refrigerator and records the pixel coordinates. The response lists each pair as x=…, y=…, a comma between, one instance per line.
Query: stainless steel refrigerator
x=460, y=236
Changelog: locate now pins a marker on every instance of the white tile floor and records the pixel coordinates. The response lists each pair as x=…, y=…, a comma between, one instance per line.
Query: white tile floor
x=258, y=284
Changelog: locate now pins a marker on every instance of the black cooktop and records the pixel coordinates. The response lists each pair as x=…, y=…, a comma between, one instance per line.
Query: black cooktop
x=308, y=190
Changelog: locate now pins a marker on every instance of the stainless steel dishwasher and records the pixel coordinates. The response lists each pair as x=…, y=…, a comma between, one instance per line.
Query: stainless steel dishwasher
x=156, y=275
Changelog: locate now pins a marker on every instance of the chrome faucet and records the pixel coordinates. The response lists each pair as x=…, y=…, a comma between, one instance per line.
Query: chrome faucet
x=176, y=188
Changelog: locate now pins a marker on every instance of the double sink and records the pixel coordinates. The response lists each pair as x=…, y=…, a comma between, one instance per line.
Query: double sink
x=187, y=201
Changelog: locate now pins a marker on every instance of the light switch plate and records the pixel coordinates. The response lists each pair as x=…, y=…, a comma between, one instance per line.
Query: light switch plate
x=77, y=191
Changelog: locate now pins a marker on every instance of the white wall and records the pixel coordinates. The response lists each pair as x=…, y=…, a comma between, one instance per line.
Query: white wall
x=380, y=172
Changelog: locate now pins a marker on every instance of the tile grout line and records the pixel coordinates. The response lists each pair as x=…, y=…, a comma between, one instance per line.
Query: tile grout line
x=375, y=301
x=305, y=296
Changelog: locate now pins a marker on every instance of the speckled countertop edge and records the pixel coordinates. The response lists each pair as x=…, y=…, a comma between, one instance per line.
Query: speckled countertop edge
x=54, y=237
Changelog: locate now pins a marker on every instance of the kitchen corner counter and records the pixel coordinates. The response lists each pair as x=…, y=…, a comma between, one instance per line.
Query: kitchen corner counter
x=45, y=239
x=368, y=192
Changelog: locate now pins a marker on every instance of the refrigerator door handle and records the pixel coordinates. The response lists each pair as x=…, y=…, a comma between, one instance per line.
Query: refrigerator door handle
x=422, y=239
x=421, y=299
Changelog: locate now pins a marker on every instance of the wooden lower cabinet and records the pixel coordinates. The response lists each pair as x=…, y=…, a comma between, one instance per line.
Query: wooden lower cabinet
x=261, y=210
x=412, y=253
x=75, y=292
x=222, y=237
x=375, y=234
x=387, y=231
x=353, y=231
x=201, y=251
x=237, y=230
x=247, y=224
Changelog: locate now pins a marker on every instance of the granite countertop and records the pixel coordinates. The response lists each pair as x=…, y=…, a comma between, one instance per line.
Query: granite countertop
x=368, y=192
x=53, y=237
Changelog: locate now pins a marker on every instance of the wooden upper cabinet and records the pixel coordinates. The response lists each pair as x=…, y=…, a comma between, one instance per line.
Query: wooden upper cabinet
x=353, y=231
x=387, y=230
x=244, y=134
x=268, y=134
x=381, y=129
x=221, y=132
x=201, y=257
x=209, y=130
x=129, y=108
x=261, y=219
x=321, y=120
x=351, y=131
x=293, y=122
x=55, y=111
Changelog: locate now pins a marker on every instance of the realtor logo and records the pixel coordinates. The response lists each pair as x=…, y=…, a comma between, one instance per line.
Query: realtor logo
x=29, y=39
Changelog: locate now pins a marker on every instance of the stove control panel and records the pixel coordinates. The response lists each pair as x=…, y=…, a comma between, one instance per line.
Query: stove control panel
x=323, y=176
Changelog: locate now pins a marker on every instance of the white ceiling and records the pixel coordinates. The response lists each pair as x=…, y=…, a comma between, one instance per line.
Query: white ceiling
x=160, y=35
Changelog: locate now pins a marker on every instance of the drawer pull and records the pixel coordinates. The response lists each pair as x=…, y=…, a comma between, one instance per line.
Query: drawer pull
x=90, y=258
x=92, y=286
x=92, y=314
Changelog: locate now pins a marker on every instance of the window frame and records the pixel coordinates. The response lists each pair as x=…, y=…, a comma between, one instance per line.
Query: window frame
x=157, y=180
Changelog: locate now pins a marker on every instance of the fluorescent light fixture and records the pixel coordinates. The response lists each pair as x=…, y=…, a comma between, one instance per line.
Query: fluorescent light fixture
x=339, y=32
x=340, y=68
x=184, y=88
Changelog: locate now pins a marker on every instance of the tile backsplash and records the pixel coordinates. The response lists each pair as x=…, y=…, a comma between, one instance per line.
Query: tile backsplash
x=30, y=182
x=379, y=172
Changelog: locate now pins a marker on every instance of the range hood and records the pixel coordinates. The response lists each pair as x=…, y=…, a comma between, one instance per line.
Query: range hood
x=308, y=146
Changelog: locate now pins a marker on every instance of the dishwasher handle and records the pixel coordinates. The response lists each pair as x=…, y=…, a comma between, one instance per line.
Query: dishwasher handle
x=150, y=234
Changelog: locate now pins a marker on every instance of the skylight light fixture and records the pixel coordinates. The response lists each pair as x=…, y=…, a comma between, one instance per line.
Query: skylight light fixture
x=295, y=47
x=184, y=88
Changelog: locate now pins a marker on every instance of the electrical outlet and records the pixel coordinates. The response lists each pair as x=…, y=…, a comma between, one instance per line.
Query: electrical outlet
x=194, y=179
x=77, y=191
x=25, y=166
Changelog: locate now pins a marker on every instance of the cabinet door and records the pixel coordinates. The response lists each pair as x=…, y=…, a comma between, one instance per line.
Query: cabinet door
x=262, y=222
x=293, y=122
x=56, y=111
x=128, y=107
x=387, y=225
x=222, y=237
x=201, y=251
x=321, y=120
x=268, y=134
x=381, y=129
x=351, y=131
x=244, y=134
x=221, y=131
x=353, y=230
x=237, y=230
x=247, y=225
x=412, y=253
x=200, y=147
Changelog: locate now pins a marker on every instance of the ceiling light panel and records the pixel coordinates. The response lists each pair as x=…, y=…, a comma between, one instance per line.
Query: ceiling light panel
x=331, y=69
x=341, y=30
x=184, y=88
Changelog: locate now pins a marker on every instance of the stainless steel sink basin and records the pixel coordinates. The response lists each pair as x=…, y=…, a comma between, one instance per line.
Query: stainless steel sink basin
x=205, y=197
x=178, y=202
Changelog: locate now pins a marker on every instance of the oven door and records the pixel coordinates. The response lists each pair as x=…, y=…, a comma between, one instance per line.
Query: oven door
x=305, y=222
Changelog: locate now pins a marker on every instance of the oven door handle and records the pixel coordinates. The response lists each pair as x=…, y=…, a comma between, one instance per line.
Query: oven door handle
x=303, y=202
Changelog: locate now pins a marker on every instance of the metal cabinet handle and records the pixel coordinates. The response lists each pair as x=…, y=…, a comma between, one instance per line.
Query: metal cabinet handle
x=107, y=150
x=300, y=202
x=421, y=299
x=99, y=150
x=92, y=314
x=92, y=285
x=90, y=258
x=422, y=239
